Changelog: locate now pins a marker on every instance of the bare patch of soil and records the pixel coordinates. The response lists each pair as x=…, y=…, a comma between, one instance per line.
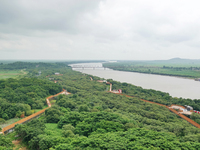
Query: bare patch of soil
x=18, y=145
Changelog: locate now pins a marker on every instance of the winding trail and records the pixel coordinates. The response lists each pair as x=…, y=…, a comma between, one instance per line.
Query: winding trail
x=11, y=127
x=171, y=109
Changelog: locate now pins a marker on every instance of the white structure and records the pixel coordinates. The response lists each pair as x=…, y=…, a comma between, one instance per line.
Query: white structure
x=188, y=107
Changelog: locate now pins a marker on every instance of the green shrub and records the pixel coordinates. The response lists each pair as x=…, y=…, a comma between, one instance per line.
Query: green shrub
x=2, y=120
x=68, y=133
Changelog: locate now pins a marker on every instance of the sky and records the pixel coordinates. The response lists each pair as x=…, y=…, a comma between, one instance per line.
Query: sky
x=99, y=29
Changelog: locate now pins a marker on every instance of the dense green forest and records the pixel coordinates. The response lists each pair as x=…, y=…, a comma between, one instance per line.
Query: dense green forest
x=5, y=143
x=24, y=94
x=92, y=118
x=29, y=65
x=174, y=67
x=41, y=65
x=19, y=96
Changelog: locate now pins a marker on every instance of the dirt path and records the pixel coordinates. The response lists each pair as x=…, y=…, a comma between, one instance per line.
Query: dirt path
x=17, y=143
x=9, y=127
x=171, y=109
x=18, y=146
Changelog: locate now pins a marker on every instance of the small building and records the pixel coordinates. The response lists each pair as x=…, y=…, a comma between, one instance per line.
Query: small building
x=189, y=108
x=57, y=73
x=120, y=91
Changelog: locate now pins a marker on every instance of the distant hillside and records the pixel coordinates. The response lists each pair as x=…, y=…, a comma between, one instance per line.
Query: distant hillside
x=172, y=62
x=181, y=61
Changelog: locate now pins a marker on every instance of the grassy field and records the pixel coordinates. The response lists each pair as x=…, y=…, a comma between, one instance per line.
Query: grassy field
x=11, y=74
x=9, y=122
x=52, y=102
x=52, y=129
x=36, y=110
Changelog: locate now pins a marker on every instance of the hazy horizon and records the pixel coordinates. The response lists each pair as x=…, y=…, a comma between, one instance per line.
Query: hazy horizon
x=176, y=58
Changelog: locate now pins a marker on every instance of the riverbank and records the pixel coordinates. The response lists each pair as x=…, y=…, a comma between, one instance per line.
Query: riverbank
x=157, y=73
x=176, y=86
x=181, y=75
x=178, y=69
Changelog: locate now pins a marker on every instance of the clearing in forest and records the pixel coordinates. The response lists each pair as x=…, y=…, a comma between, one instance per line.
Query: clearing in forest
x=11, y=73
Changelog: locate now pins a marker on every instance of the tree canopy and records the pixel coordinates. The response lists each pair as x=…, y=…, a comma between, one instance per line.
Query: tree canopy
x=91, y=118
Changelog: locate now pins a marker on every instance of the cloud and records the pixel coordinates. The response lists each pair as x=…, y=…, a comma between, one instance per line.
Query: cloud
x=37, y=15
x=159, y=20
x=99, y=29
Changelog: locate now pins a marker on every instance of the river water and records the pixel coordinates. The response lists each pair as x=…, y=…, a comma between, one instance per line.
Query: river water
x=175, y=86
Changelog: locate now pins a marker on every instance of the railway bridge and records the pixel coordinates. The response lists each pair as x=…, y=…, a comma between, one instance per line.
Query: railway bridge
x=88, y=66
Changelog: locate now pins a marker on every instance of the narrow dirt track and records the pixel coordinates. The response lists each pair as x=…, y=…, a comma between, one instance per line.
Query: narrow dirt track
x=17, y=142
x=110, y=90
x=171, y=109
x=35, y=114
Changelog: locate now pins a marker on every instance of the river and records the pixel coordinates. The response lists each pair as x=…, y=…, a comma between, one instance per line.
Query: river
x=175, y=86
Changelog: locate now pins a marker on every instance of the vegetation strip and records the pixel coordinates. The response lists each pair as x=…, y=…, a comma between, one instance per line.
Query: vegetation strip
x=174, y=67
